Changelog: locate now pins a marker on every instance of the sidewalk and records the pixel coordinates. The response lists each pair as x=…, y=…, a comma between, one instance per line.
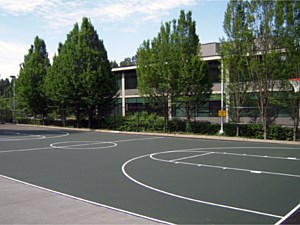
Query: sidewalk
x=24, y=204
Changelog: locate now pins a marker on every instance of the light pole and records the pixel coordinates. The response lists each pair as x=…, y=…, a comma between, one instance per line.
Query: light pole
x=221, y=132
x=13, y=79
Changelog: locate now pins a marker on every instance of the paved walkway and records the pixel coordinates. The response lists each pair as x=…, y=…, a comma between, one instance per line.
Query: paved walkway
x=24, y=204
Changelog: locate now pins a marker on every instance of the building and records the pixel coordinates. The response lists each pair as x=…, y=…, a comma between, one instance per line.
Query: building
x=131, y=101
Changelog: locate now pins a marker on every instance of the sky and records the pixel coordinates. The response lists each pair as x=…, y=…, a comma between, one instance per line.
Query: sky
x=123, y=25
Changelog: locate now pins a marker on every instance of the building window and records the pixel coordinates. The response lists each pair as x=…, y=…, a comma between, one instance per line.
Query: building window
x=214, y=72
x=130, y=80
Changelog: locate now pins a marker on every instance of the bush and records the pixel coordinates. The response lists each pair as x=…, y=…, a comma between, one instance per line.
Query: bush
x=143, y=122
x=154, y=123
x=280, y=133
x=205, y=128
x=177, y=125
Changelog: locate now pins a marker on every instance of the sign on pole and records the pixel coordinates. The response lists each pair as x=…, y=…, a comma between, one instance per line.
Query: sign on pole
x=222, y=113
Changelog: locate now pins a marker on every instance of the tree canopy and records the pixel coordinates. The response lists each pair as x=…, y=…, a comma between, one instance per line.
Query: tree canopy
x=170, y=68
x=30, y=83
x=81, y=76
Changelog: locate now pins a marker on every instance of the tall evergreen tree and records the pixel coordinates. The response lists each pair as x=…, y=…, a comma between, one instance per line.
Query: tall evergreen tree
x=30, y=83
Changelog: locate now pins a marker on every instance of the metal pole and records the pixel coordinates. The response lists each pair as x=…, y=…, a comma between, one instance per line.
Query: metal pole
x=221, y=132
x=13, y=79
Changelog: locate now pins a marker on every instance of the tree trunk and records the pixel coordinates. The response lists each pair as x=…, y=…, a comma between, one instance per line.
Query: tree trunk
x=296, y=121
x=237, y=121
x=188, y=118
x=91, y=117
x=77, y=117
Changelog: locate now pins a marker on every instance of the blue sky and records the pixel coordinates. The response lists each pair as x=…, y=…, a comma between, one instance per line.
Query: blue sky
x=122, y=24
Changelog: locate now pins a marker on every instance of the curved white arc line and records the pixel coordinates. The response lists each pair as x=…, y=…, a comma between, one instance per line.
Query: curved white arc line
x=187, y=198
x=73, y=147
x=84, y=143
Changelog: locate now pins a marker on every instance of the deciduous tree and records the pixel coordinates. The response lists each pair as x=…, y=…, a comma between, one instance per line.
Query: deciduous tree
x=81, y=74
x=234, y=51
x=30, y=83
x=170, y=68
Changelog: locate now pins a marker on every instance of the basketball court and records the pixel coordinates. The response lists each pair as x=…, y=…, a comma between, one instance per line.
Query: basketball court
x=173, y=180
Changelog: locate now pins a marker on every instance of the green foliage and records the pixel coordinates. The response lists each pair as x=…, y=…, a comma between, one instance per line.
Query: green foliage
x=80, y=79
x=256, y=131
x=30, y=83
x=5, y=88
x=261, y=50
x=129, y=61
x=169, y=66
x=194, y=85
x=234, y=49
x=143, y=122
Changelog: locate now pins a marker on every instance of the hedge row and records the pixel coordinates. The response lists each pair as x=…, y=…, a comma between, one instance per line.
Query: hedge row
x=153, y=123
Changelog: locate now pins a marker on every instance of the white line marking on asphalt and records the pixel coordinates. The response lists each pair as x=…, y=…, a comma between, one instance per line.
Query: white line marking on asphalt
x=25, y=150
x=193, y=156
x=288, y=215
x=87, y=201
x=33, y=136
x=139, y=139
x=152, y=156
x=187, y=198
x=75, y=145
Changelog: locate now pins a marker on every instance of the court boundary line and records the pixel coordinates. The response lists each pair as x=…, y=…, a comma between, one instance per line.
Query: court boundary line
x=288, y=215
x=87, y=201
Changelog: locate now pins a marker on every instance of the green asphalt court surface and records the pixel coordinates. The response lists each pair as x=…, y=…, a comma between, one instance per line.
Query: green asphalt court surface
x=171, y=179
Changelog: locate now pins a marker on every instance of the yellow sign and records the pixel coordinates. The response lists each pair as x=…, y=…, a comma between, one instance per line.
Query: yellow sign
x=222, y=113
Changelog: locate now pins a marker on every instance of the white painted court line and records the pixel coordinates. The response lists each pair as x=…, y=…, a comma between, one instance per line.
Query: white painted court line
x=187, y=198
x=234, y=169
x=152, y=156
x=87, y=201
x=139, y=139
x=34, y=137
x=25, y=150
x=207, y=151
x=77, y=145
x=190, y=157
x=288, y=215
x=258, y=156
